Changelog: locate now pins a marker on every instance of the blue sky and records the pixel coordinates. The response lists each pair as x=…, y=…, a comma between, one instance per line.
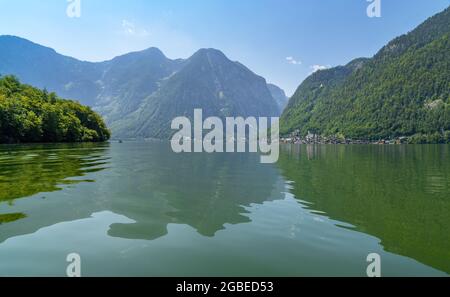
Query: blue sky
x=282, y=40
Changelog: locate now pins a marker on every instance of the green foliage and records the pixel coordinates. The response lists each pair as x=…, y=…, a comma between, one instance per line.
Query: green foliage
x=435, y=137
x=31, y=115
x=403, y=91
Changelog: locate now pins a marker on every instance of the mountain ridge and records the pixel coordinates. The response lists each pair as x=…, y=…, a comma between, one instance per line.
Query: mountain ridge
x=121, y=87
x=208, y=80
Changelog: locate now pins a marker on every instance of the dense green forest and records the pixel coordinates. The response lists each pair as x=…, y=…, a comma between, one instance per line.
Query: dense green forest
x=31, y=115
x=404, y=90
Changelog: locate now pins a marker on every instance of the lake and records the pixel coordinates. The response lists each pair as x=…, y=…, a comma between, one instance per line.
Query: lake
x=138, y=209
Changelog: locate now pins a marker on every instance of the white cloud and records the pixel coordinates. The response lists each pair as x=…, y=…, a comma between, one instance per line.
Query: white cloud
x=315, y=68
x=293, y=61
x=129, y=28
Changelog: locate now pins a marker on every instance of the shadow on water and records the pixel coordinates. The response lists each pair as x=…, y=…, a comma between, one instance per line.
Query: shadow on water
x=145, y=182
x=400, y=194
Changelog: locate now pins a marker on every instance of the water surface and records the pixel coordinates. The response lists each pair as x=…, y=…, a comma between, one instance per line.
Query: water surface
x=137, y=209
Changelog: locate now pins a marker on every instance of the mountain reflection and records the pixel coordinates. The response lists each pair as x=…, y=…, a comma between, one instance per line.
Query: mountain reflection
x=400, y=194
x=146, y=182
x=205, y=191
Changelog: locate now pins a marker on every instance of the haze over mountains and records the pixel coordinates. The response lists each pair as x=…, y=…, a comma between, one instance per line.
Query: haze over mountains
x=404, y=90
x=140, y=93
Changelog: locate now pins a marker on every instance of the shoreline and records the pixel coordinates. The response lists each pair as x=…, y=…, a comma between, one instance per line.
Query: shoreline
x=324, y=141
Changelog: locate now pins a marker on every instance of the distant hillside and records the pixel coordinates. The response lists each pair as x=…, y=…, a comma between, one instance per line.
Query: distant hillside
x=404, y=90
x=139, y=93
x=31, y=115
x=279, y=95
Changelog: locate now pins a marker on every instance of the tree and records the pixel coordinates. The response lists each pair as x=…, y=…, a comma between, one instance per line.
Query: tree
x=31, y=115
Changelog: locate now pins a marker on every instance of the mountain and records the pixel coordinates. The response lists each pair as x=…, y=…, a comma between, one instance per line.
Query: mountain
x=279, y=95
x=207, y=80
x=404, y=90
x=42, y=67
x=28, y=115
x=311, y=94
x=139, y=93
x=127, y=80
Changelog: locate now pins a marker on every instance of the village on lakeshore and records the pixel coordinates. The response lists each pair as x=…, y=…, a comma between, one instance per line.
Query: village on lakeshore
x=311, y=138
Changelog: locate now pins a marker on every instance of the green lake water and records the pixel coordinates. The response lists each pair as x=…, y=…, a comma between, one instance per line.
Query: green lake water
x=138, y=209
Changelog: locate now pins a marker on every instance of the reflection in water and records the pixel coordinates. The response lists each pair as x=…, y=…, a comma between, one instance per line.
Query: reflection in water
x=145, y=182
x=400, y=194
x=28, y=170
x=159, y=213
x=8, y=218
x=205, y=191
